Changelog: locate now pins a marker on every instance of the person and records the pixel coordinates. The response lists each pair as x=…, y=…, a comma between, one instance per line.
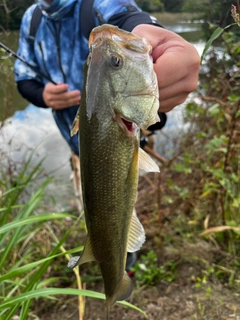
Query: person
x=60, y=49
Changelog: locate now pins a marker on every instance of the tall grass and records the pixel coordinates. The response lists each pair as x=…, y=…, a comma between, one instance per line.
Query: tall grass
x=19, y=224
x=24, y=275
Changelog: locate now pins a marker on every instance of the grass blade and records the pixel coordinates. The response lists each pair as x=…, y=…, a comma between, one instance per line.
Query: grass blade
x=35, y=279
x=20, y=270
x=30, y=220
x=216, y=34
x=46, y=292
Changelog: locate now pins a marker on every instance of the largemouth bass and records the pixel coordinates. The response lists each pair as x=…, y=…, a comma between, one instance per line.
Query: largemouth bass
x=120, y=96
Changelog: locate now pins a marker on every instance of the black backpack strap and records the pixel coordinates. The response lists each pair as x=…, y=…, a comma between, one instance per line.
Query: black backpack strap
x=87, y=17
x=35, y=21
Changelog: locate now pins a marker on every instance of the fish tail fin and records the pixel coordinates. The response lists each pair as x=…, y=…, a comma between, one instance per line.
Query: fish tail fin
x=125, y=289
x=108, y=312
x=123, y=293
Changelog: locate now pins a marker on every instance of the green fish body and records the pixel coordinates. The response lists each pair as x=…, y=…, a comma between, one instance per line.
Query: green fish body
x=119, y=96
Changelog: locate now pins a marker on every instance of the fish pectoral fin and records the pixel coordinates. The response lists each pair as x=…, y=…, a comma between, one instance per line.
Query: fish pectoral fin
x=75, y=125
x=125, y=288
x=136, y=236
x=86, y=256
x=146, y=163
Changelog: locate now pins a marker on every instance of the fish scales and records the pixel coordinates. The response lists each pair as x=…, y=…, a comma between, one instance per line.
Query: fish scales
x=107, y=212
x=104, y=181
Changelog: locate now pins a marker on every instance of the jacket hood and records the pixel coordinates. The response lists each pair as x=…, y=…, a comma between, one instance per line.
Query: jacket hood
x=57, y=10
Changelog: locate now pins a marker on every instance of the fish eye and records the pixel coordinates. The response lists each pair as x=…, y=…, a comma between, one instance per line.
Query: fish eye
x=115, y=61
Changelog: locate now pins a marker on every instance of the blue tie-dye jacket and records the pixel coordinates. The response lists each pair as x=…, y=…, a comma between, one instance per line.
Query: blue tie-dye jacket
x=60, y=49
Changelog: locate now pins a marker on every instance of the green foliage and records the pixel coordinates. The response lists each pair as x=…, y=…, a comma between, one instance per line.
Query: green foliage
x=6, y=83
x=195, y=6
x=173, y=5
x=207, y=167
x=49, y=292
x=151, y=5
x=217, y=12
x=11, y=12
x=213, y=37
x=20, y=222
x=147, y=272
x=29, y=247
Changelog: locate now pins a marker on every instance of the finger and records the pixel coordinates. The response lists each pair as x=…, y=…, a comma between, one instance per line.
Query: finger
x=168, y=104
x=149, y=33
x=56, y=89
x=70, y=96
x=185, y=85
x=59, y=104
x=65, y=100
x=65, y=97
x=169, y=54
x=170, y=72
x=73, y=102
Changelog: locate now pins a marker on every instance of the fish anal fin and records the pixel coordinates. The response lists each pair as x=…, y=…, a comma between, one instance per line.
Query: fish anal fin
x=75, y=125
x=136, y=236
x=146, y=163
x=123, y=293
x=86, y=256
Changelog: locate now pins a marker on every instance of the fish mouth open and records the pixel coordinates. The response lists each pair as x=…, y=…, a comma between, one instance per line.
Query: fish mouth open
x=128, y=125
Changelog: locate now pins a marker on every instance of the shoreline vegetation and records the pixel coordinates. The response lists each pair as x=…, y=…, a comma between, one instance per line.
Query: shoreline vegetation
x=171, y=18
x=189, y=266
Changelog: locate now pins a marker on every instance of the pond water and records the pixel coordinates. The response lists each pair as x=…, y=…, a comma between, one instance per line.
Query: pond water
x=30, y=128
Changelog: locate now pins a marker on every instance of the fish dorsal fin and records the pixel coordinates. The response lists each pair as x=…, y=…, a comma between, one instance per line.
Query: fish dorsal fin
x=75, y=125
x=146, y=163
x=136, y=236
x=125, y=288
x=86, y=256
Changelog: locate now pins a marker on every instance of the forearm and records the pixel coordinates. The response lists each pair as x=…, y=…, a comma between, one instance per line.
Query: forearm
x=32, y=91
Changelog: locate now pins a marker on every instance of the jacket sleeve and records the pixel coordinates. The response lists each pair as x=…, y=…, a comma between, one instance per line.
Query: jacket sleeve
x=129, y=19
x=29, y=84
x=32, y=90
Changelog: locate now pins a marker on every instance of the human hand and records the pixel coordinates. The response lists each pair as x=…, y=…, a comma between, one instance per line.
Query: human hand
x=176, y=63
x=57, y=97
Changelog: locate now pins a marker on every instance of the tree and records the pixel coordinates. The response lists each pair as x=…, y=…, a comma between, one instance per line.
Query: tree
x=11, y=12
x=173, y=5
x=150, y=5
